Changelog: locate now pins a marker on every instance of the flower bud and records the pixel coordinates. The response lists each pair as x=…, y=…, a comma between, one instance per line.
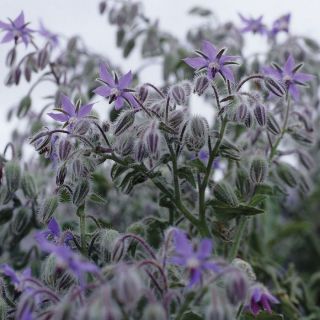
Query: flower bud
x=64, y=149
x=102, y=7
x=201, y=84
x=243, y=182
x=77, y=168
x=176, y=118
x=27, y=72
x=61, y=175
x=24, y=106
x=43, y=58
x=260, y=114
x=108, y=239
x=140, y=151
x=272, y=124
x=80, y=192
x=275, y=87
x=178, y=94
x=241, y=113
x=11, y=57
x=248, y=121
x=16, y=75
x=154, y=311
x=229, y=150
x=124, y=145
x=119, y=250
x=304, y=184
x=237, y=287
x=152, y=140
x=143, y=93
x=258, y=170
x=199, y=127
x=29, y=186
x=81, y=127
x=224, y=193
x=302, y=137
x=20, y=222
x=287, y=174
x=245, y=267
x=105, y=126
x=306, y=160
x=47, y=208
x=124, y=122
x=13, y=176
x=6, y=214
x=221, y=311
x=128, y=286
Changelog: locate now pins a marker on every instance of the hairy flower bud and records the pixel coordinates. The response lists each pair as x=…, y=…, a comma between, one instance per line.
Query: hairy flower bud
x=243, y=182
x=124, y=145
x=140, y=150
x=224, y=193
x=64, y=149
x=80, y=192
x=248, y=121
x=287, y=174
x=237, y=286
x=47, y=208
x=258, y=170
x=221, y=311
x=28, y=185
x=108, y=239
x=152, y=140
x=143, y=92
x=197, y=133
x=20, y=222
x=245, y=267
x=201, y=84
x=154, y=311
x=13, y=176
x=43, y=58
x=176, y=118
x=61, y=175
x=178, y=94
x=77, y=168
x=81, y=127
x=306, y=159
x=124, y=122
x=229, y=150
x=272, y=124
x=260, y=114
x=105, y=126
x=275, y=87
x=241, y=113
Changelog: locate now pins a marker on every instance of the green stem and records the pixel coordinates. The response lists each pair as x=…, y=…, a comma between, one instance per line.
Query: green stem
x=236, y=244
x=82, y=220
x=284, y=129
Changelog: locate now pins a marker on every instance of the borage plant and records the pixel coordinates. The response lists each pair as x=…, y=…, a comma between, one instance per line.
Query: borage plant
x=154, y=212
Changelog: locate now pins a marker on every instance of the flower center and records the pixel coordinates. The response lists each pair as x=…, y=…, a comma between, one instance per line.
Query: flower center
x=193, y=263
x=115, y=92
x=287, y=80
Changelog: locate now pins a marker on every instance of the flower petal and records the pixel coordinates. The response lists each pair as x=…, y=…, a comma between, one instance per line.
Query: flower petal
x=68, y=106
x=182, y=244
x=289, y=65
x=103, y=91
x=105, y=75
x=59, y=117
x=205, y=249
x=227, y=72
x=303, y=77
x=19, y=21
x=85, y=110
x=125, y=81
x=209, y=49
x=119, y=103
x=196, y=63
x=54, y=227
x=8, y=37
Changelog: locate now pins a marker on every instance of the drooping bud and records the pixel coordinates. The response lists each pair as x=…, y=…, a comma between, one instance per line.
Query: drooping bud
x=140, y=150
x=43, y=58
x=272, y=124
x=304, y=185
x=64, y=149
x=47, y=208
x=20, y=222
x=237, y=286
x=154, y=311
x=24, y=106
x=11, y=57
x=124, y=122
x=81, y=127
x=229, y=150
x=176, y=118
x=61, y=175
x=219, y=311
x=152, y=140
x=243, y=182
x=248, y=121
x=80, y=192
x=197, y=133
x=13, y=176
x=241, y=113
x=245, y=267
x=178, y=95
x=224, y=193
x=6, y=214
x=260, y=114
x=124, y=145
x=302, y=137
x=108, y=239
x=142, y=93
x=28, y=185
x=201, y=84
x=275, y=87
x=102, y=7
x=288, y=174
x=258, y=170
x=77, y=168
x=306, y=159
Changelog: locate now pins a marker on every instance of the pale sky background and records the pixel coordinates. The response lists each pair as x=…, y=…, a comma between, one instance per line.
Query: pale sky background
x=80, y=17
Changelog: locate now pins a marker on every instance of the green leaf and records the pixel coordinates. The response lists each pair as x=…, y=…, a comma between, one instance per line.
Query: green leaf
x=262, y=316
x=128, y=47
x=186, y=173
x=24, y=107
x=120, y=37
x=117, y=170
x=200, y=11
x=198, y=164
x=190, y=315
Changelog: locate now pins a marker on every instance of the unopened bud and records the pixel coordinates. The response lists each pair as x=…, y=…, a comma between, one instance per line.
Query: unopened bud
x=258, y=170
x=275, y=87
x=64, y=149
x=61, y=175
x=124, y=122
x=176, y=118
x=237, y=287
x=28, y=185
x=81, y=127
x=154, y=311
x=13, y=176
x=108, y=239
x=241, y=113
x=80, y=192
x=152, y=140
x=140, y=150
x=248, y=121
x=306, y=159
x=272, y=125
x=178, y=94
x=201, y=83
x=260, y=114
x=43, y=58
x=11, y=57
x=224, y=193
x=143, y=93
x=245, y=267
x=287, y=174
x=47, y=209
x=6, y=214
x=124, y=145
x=102, y=7
x=243, y=182
x=20, y=222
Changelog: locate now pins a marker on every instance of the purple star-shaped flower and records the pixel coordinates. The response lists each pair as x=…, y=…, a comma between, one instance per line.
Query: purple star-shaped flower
x=17, y=279
x=289, y=75
x=253, y=25
x=116, y=89
x=213, y=61
x=70, y=112
x=16, y=29
x=196, y=261
x=260, y=299
x=68, y=258
x=48, y=35
x=280, y=24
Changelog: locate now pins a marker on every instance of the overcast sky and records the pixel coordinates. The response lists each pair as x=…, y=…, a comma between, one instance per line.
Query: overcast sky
x=80, y=17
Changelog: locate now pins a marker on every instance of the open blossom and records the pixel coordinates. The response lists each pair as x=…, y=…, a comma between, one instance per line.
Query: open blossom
x=17, y=279
x=116, y=89
x=48, y=35
x=196, y=261
x=253, y=25
x=280, y=24
x=289, y=76
x=214, y=61
x=16, y=30
x=68, y=258
x=70, y=112
x=260, y=299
